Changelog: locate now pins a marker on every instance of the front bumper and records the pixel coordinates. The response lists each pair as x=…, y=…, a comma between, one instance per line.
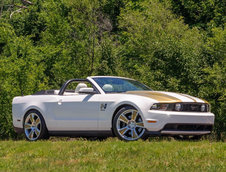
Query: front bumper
x=179, y=123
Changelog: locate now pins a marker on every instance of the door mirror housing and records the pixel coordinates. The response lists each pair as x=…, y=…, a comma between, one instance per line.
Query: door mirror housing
x=88, y=90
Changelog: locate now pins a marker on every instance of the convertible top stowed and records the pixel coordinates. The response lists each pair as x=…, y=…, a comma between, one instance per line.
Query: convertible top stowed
x=108, y=105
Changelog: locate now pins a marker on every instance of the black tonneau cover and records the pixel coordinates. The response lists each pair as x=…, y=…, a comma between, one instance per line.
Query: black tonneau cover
x=51, y=92
x=45, y=92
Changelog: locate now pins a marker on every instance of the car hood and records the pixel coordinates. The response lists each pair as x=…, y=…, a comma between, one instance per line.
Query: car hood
x=167, y=97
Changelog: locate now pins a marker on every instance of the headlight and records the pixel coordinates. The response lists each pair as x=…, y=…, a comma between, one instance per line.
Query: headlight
x=154, y=106
x=178, y=107
x=203, y=108
x=160, y=106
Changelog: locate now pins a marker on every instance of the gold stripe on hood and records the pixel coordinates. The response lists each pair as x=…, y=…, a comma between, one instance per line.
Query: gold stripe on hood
x=188, y=97
x=194, y=99
x=160, y=97
x=205, y=101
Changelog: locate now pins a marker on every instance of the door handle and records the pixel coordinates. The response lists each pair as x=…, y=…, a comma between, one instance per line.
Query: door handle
x=60, y=102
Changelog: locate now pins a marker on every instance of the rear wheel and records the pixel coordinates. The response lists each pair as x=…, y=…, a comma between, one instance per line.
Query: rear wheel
x=128, y=124
x=34, y=126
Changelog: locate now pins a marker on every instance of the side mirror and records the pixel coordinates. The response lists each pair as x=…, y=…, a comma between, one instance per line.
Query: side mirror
x=87, y=90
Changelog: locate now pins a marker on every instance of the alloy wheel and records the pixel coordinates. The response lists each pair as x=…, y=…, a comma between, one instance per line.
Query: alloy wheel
x=32, y=126
x=130, y=125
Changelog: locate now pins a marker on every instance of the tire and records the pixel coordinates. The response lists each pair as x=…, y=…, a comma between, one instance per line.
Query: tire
x=128, y=124
x=34, y=126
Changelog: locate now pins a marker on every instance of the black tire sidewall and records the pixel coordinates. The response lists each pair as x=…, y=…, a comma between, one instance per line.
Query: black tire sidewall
x=44, y=132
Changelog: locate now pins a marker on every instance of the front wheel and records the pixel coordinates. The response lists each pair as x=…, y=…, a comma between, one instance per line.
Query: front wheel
x=34, y=126
x=128, y=124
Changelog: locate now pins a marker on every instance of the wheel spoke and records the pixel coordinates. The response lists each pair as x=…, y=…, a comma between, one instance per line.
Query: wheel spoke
x=134, y=133
x=124, y=119
x=37, y=131
x=140, y=124
x=32, y=117
x=27, y=126
x=37, y=121
x=123, y=130
x=134, y=115
x=31, y=134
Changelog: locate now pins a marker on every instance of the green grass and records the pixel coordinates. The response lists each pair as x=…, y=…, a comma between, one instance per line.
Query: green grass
x=112, y=155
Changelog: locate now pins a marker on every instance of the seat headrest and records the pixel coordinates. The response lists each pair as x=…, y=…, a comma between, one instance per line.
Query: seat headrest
x=80, y=85
x=107, y=87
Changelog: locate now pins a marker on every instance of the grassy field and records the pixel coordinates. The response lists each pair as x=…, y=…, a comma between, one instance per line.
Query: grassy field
x=112, y=155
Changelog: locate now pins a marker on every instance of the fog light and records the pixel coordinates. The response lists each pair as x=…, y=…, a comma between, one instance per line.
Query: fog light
x=203, y=108
x=178, y=107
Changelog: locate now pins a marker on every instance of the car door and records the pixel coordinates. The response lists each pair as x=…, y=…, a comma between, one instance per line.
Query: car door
x=76, y=112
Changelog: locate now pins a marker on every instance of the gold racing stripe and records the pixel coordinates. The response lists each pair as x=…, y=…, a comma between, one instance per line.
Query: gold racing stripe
x=160, y=97
x=205, y=101
x=194, y=99
x=188, y=97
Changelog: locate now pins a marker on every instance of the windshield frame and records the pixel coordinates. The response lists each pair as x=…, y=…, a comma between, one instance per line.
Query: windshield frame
x=122, y=78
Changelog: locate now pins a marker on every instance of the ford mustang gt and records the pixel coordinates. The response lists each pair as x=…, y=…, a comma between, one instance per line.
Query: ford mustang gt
x=110, y=106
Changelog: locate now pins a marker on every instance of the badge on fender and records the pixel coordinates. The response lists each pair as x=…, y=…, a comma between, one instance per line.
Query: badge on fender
x=103, y=106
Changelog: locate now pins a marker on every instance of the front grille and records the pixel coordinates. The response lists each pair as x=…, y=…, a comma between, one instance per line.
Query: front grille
x=194, y=107
x=188, y=127
x=190, y=107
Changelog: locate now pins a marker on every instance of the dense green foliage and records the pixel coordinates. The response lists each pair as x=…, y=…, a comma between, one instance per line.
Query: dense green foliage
x=112, y=155
x=169, y=45
x=203, y=14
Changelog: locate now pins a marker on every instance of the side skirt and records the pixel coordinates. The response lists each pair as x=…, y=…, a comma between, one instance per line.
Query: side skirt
x=96, y=133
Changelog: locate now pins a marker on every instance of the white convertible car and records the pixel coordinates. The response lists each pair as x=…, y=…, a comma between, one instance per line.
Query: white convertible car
x=107, y=105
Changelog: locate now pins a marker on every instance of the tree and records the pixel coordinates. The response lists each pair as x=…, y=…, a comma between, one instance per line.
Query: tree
x=203, y=14
x=213, y=83
x=158, y=48
x=21, y=73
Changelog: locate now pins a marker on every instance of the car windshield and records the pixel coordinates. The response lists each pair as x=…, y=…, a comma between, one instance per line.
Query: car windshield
x=118, y=85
